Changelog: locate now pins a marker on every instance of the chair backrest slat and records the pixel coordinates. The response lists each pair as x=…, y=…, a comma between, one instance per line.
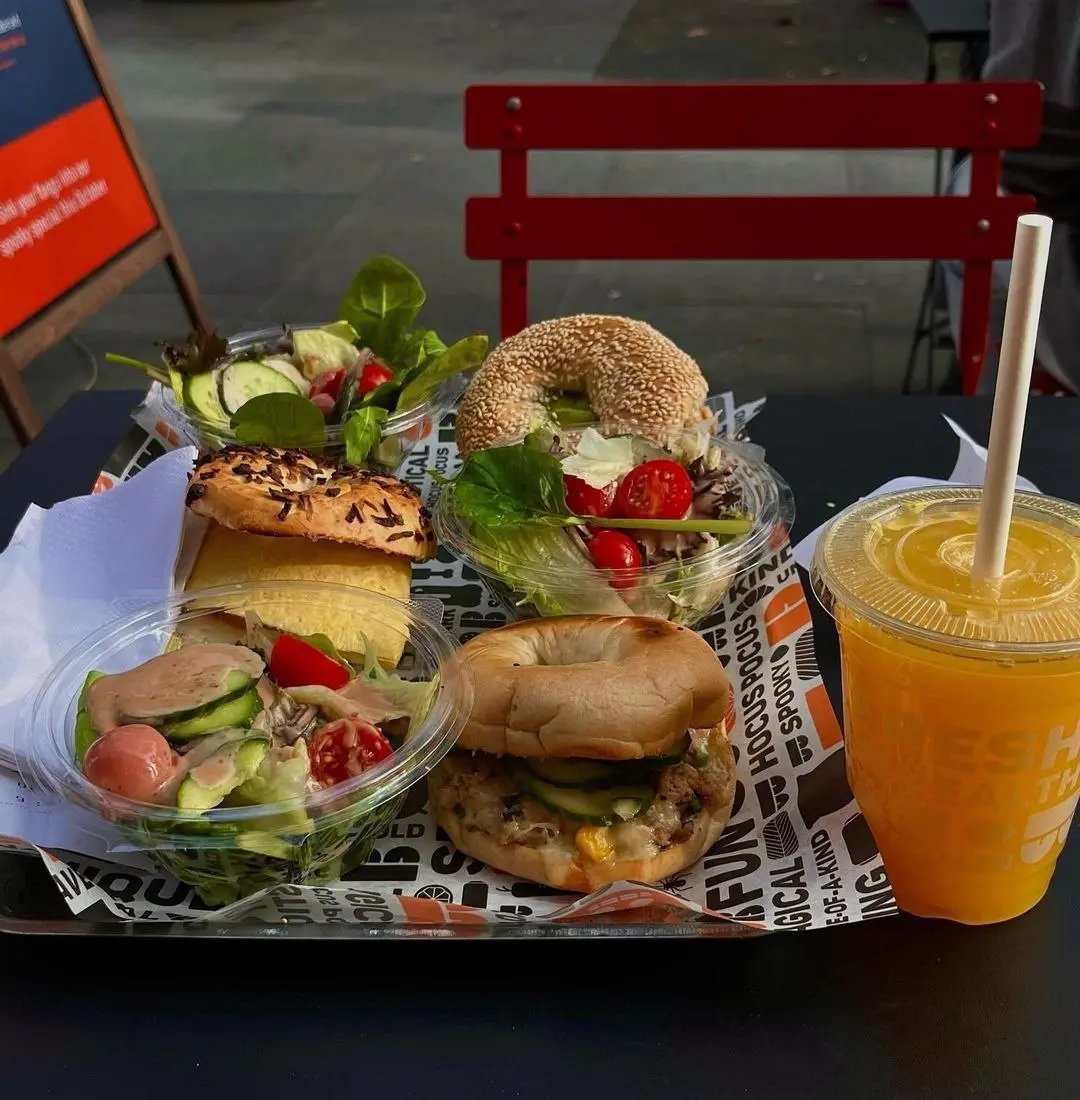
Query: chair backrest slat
x=515, y=227
x=752, y=116
x=858, y=227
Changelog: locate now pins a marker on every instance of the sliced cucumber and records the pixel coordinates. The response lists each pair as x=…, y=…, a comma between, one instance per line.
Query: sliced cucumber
x=236, y=713
x=240, y=382
x=207, y=784
x=236, y=683
x=601, y=807
x=286, y=369
x=592, y=775
x=588, y=774
x=201, y=395
x=675, y=754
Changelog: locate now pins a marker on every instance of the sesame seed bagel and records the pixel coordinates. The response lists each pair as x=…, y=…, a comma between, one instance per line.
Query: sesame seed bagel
x=294, y=494
x=630, y=373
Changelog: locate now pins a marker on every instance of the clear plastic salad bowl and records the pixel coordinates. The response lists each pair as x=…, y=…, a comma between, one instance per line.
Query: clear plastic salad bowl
x=229, y=852
x=401, y=432
x=547, y=571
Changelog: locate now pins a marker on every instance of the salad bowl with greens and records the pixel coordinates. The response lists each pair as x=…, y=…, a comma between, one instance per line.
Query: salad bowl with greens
x=240, y=757
x=366, y=387
x=599, y=520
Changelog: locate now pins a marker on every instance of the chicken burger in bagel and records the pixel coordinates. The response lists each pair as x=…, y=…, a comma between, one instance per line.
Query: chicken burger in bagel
x=595, y=751
x=611, y=369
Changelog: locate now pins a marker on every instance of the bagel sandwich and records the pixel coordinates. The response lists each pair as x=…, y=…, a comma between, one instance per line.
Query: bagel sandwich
x=287, y=515
x=595, y=752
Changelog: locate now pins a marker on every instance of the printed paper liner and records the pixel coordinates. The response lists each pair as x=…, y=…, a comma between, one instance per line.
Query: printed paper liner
x=796, y=854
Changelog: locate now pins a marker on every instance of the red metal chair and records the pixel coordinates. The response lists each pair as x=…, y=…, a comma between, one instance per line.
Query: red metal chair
x=516, y=228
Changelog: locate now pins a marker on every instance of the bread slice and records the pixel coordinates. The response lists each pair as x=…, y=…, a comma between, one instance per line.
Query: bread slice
x=232, y=557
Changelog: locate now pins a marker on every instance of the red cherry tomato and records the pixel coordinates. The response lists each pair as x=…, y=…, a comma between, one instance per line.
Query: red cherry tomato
x=296, y=663
x=584, y=500
x=659, y=489
x=328, y=383
x=131, y=761
x=346, y=748
x=614, y=550
x=374, y=374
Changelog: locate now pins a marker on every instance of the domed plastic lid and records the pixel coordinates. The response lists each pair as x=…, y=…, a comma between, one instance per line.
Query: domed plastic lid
x=903, y=561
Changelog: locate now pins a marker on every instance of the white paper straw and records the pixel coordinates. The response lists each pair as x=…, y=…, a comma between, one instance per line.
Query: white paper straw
x=1026, y=279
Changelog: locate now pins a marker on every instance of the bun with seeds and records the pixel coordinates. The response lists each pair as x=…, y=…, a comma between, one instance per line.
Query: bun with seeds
x=628, y=372
x=288, y=493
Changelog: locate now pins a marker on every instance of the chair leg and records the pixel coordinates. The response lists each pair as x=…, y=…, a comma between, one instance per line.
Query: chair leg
x=924, y=330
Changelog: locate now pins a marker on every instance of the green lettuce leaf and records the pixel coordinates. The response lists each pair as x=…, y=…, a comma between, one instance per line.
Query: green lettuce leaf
x=570, y=410
x=85, y=734
x=528, y=558
x=319, y=351
x=599, y=461
x=323, y=644
x=464, y=355
x=363, y=430
x=381, y=303
x=421, y=345
x=511, y=486
x=343, y=330
x=279, y=420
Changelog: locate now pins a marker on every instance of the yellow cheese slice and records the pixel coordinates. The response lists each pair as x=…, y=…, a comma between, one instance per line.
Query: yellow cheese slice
x=232, y=557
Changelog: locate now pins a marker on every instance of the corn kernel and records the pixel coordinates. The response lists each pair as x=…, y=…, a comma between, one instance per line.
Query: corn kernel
x=594, y=842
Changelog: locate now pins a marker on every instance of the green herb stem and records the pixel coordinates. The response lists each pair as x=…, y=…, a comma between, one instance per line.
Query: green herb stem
x=729, y=527
x=156, y=373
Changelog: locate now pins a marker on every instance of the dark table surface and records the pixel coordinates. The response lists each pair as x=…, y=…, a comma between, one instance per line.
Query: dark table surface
x=953, y=20
x=897, y=1007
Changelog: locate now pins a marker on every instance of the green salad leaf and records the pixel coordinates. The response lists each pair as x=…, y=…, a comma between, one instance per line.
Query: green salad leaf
x=323, y=644
x=384, y=395
x=381, y=303
x=362, y=432
x=421, y=345
x=279, y=420
x=599, y=461
x=319, y=351
x=343, y=330
x=464, y=355
x=85, y=734
x=512, y=486
x=571, y=410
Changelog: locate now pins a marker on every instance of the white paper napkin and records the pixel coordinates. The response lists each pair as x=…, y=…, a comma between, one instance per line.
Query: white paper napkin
x=970, y=469
x=76, y=566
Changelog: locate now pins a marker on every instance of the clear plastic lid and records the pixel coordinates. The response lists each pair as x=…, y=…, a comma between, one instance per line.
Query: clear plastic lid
x=903, y=560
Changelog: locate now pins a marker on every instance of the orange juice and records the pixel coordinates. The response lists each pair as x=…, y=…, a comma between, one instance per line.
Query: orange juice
x=961, y=700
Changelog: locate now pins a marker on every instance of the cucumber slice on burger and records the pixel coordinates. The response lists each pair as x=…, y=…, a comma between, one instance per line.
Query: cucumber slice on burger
x=607, y=806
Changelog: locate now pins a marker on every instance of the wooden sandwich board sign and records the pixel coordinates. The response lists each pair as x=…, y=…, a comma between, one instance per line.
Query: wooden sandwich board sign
x=80, y=215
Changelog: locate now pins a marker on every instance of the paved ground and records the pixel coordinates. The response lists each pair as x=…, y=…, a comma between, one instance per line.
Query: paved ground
x=293, y=138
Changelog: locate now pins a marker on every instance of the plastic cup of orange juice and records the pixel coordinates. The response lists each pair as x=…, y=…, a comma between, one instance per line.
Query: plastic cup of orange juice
x=961, y=698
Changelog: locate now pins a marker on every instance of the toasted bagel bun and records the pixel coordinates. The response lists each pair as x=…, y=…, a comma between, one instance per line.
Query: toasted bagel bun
x=607, y=687
x=288, y=493
x=640, y=855
x=630, y=373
